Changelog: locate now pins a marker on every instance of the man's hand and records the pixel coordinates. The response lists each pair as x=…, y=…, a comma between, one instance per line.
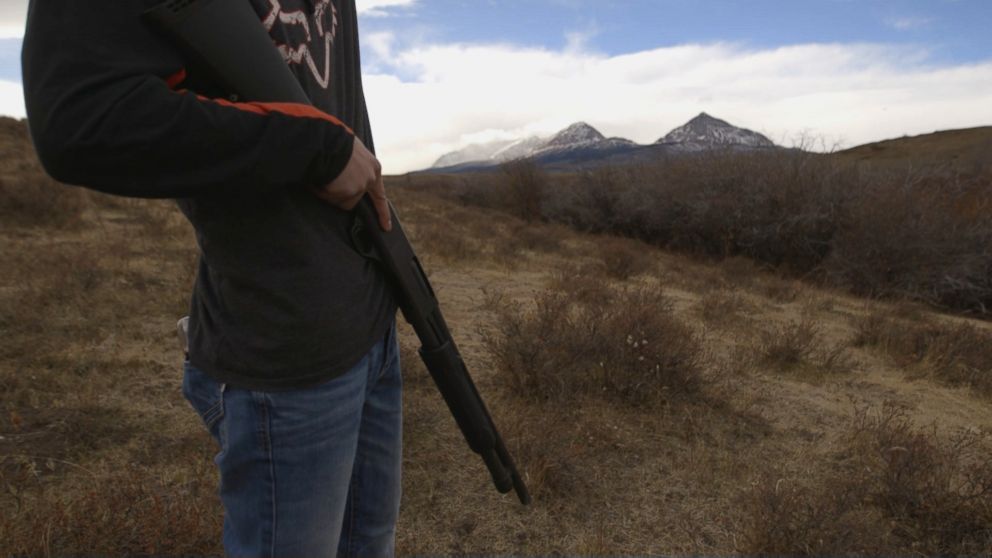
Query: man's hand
x=362, y=174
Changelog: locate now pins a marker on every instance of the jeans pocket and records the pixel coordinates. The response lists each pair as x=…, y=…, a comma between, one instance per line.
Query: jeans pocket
x=206, y=396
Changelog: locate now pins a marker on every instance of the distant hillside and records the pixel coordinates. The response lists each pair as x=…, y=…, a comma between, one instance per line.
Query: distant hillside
x=967, y=150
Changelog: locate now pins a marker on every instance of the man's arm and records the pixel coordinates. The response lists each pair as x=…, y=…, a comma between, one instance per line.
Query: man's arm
x=105, y=112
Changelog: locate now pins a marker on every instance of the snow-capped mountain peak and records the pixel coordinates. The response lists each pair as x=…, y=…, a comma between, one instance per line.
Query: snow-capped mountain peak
x=581, y=144
x=578, y=133
x=705, y=130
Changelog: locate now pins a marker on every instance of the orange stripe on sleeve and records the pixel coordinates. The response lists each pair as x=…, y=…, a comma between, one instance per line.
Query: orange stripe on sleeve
x=291, y=109
x=175, y=79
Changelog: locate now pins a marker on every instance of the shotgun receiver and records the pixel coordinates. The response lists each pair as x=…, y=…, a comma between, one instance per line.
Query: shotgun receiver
x=226, y=41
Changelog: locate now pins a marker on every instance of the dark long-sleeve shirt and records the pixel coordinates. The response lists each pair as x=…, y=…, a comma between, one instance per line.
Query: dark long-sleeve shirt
x=281, y=300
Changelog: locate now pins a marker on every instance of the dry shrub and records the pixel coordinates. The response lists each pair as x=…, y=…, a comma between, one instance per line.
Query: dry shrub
x=899, y=490
x=536, y=238
x=526, y=183
x=439, y=239
x=582, y=282
x=722, y=307
x=937, y=494
x=739, y=271
x=957, y=354
x=125, y=514
x=779, y=290
x=920, y=233
x=778, y=208
x=625, y=344
x=623, y=258
x=480, y=189
x=791, y=516
x=870, y=328
x=798, y=346
x=509, y=246
x=789, y=345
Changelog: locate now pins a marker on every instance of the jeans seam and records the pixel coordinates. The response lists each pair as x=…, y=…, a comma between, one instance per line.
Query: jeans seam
x=266, y=438
x=353, y=496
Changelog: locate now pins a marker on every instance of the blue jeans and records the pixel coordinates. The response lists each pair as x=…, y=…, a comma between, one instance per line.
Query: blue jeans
x=313, y=472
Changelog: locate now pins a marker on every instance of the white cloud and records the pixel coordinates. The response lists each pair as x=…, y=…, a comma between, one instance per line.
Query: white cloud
x=11, y=31
x=907, y=23
x=11, y=99
x=846, y=94
x=578, y=40
x=13, y=14
x=379, y=8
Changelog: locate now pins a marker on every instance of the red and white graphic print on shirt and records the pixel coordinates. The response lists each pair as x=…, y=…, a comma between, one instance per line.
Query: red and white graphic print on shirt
x=325, y=20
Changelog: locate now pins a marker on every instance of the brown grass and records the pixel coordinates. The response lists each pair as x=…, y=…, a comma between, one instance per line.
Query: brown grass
x=899, y=489
x=36, y=200
x=723, y=308
x=118, y=513
x=956, y=354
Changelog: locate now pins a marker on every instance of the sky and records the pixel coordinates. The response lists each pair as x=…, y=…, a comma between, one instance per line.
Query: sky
x=826, y=74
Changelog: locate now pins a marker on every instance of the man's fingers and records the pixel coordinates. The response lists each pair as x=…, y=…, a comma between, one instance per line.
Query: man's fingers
x=378, y=194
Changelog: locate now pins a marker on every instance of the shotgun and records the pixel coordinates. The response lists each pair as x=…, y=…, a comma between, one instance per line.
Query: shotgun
x=218, y=38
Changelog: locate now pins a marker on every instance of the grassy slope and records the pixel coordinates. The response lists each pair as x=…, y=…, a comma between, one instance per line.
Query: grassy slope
x=961, y=149
x=100, y=454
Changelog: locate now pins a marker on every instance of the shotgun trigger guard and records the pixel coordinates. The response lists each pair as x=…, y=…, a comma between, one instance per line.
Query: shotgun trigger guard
x=361, y=241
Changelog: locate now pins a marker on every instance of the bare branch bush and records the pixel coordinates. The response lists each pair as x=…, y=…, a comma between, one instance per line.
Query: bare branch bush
x=526, y=183
x=595, y=341
x=919, y=233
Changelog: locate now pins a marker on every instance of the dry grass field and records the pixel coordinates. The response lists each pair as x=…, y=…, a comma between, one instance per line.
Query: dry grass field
x=657, y=403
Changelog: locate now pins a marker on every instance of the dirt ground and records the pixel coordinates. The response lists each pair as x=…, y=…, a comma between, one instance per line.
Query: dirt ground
x=100, y=454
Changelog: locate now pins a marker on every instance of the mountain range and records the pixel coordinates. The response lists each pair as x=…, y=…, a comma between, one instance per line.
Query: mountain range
x=581, y=145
